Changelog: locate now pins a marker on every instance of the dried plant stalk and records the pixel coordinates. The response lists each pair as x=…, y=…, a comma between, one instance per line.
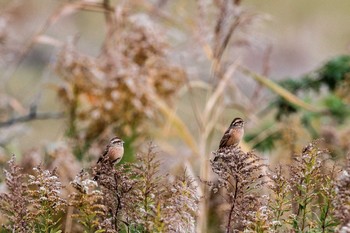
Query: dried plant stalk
x=280, y=200
x=46, y=203
x=342, y=198
x=240, y=175
x=13, y=204
x=308, y=181
x=116, y=89
x=87, y=202
x=303, y=201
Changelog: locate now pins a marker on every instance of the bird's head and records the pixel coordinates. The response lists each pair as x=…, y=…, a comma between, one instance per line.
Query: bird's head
x=237, y=122
x=116, y=141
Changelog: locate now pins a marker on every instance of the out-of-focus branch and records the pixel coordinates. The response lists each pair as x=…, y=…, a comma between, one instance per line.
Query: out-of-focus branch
x=278, y=89
x=265, y=72
x=61, y=11
x=31, y=116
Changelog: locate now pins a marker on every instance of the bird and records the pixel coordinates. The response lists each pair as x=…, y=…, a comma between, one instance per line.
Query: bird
x=234, y=134
x=114, y=151
x=112, y=154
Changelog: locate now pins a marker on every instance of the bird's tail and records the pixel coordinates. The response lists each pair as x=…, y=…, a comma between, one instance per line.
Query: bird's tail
x=96, y=176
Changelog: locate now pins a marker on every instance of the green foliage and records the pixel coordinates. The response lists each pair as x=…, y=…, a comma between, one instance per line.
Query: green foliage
x=46, y=202
x=130, y=198
x=267, y=143
x=334, y=71
x=304, y=202
x=14, y=203
x=33, y=202
x=134, y=198
x=280, y=203
x=327, y=87
x=284, y=108
x=337, y=108
x=310, y=195
x=301, y=196
x=87, y=203
x=155, y=204
x=342, y=200
x=132, y=83
x=331, y=75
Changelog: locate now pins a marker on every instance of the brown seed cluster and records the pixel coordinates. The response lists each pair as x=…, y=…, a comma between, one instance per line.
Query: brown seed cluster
x=240, y=178
x=117, y=88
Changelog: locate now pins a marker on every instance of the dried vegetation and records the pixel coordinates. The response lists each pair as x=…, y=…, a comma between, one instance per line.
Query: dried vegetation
x=129, y=88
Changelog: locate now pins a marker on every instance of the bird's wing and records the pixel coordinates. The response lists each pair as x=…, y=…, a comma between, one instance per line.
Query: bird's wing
x=103, y=155
x=225, y=138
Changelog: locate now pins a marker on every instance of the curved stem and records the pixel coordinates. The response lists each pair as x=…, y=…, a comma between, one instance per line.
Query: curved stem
x=232, y=207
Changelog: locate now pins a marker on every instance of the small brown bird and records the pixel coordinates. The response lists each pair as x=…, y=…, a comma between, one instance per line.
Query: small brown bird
x=114, y=151
x=233, y=134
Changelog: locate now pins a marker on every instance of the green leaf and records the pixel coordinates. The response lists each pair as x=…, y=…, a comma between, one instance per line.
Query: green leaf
x=284, y=93
x=337, y=107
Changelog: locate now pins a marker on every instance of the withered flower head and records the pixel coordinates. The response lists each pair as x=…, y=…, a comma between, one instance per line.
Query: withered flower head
x=240, y=178
x=117, y=88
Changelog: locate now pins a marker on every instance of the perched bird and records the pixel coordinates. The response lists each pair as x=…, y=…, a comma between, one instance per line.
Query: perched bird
x=114, y=151
x=113, y=154
x=233, y=134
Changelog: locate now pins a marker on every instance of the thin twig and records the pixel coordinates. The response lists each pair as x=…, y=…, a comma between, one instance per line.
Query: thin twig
x=219, y=25
x=31, y=116
x=158, y=13
x=194, y=105
x=227, y=38
x=41, y=30
x=232, y=207
x=118, y=200
x=266, y=72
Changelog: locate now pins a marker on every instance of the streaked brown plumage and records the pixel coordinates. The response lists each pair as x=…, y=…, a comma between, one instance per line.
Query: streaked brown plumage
x=113, y=154
x=233, y=134
x=114, y=151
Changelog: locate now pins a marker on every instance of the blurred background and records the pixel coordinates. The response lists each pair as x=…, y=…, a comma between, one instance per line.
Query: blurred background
x=75, y=73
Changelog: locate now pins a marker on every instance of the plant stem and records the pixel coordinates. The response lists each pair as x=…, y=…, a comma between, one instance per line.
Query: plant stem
x=325, y=217
x=232, y=207
x=203, y=207
x=229, y=218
